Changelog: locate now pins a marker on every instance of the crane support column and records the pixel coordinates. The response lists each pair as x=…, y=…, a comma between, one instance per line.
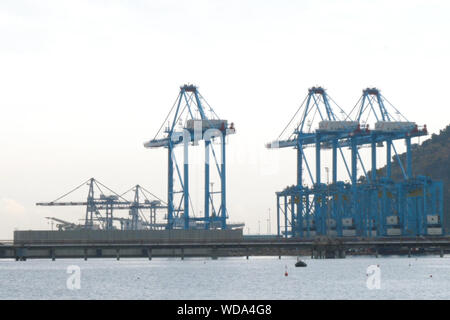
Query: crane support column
x=207, y=194
x=354, y=162
x=186, y=183
x=223, y=185
x=90, y=208
x=278, y=215
x=300, y=187
x=354, y=173
x=374, y=159
x=388, y=158
x=318, y=160
x=299, y=165
x=408, y=158
x=317, y=205
x=293, y=222
x=285, y=217
x=170, y=188
x=334, y=168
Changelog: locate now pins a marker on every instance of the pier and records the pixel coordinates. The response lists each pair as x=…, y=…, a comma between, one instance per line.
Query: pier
x=317, y=249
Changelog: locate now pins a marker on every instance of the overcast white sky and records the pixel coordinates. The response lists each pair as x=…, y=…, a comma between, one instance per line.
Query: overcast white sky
x=84, y=83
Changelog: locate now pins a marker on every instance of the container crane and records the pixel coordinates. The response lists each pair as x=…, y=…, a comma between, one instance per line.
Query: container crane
x=367, y=206
x=307, y=205
x=410, y=206
x=189, y=123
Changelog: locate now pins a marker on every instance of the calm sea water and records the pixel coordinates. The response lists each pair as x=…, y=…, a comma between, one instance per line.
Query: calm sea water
x=227, y=278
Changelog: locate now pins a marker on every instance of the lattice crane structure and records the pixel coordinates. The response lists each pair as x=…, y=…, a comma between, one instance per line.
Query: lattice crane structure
x=190, y=121
x=102, y=202
x=367, y=206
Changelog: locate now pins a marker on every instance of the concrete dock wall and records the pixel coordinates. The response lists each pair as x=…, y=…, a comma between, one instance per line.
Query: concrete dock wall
x=127, y=236
x=144, y=251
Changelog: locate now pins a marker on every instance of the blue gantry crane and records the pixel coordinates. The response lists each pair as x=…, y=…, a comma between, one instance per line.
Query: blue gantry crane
x=366, y=206
x=306, y=211
x=191, y=120
x=410, y=206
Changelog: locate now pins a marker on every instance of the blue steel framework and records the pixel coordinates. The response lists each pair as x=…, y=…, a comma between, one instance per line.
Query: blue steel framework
x=373, y=206
x=189, y=110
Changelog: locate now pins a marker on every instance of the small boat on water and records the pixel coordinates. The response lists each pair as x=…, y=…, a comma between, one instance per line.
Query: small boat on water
x=300, y=263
